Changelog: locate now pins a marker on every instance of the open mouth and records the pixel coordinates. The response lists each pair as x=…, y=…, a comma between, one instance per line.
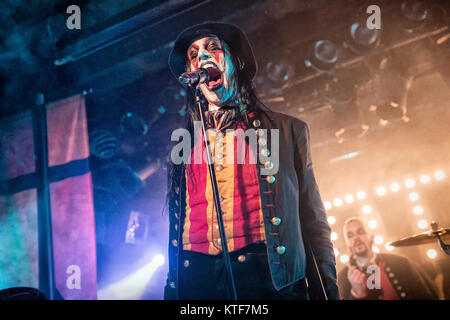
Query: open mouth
x=215, y=76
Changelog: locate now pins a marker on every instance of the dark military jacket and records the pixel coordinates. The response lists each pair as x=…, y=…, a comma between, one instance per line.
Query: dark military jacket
x=291, y=194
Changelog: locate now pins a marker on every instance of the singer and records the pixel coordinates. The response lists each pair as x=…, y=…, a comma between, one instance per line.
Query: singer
x=276, y=227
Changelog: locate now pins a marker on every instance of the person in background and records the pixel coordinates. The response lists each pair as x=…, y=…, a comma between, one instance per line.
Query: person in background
x=382, y=276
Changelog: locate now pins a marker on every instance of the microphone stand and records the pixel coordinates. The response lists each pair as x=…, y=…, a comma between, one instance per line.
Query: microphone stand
x=215, y=189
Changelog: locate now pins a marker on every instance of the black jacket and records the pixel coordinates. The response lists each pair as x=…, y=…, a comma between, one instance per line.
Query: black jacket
x=294, y=198
x=409, y=282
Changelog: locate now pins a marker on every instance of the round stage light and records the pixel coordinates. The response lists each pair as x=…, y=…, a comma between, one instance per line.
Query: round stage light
x=439, y=174
x=337, y=202
x=367, y=209
x=345, y=258
x=413, y=196
x=395, y=187
x=373, y=224
x=381, y=191
x=378, y=239
x=409, y=183
x=432, y=254
x=361, y=195
x=349, y=198
x=422, y=224
x=418, y=210
x=331, y=220
x=425, y=179
x=336, y=252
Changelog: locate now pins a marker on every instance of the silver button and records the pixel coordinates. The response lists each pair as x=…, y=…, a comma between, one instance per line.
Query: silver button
x=219, y=168
x=280, y=250
x=270, y=179
x=221, y=199
x=177, y=190
x=172, y=285
x=175, y=242
x=176, y=227
x=256, y=123
x=217, y=226
x=219, y=156
x=399, y=288
x=219, y=144
x=268, y=165
x=242, y=258
x=260, y=132
x=264, y=152
x=388, y=269
x=219, y=242
x=391, y=275
x=275, y=221
x=186, y=263
x=395, y=281
x=403, y=294
x=262, y=141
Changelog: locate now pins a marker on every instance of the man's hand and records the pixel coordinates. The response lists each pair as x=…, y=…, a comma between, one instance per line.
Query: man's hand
x=358, y=281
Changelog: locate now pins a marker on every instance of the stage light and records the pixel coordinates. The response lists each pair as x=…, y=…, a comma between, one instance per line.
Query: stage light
x=133, y=286
x=349, y=198
x=334, y=236
x=381, y=191
x=418, y=210
x=378, y=239
x=279, y=73
x=361, y=195
x=367, y=209
x=336, y=252
x=413, y=196
x=432, y=254
x=425, y=179
x=331, y=220
x=422, y=224
x=409, y=183
x=327, y=205
x=375, y=249
x=324, y=55
x=373, y=224
x=172, y=99
x=395, y=187
x=345, y=258
x=415, y=12
x=389, y=247
x=337, y=202
x=360, y=38
x=439, y=175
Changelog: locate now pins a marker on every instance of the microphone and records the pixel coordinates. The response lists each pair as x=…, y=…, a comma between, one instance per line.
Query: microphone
x=201, y=75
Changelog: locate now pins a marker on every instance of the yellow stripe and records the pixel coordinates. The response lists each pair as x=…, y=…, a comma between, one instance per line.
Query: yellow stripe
x=187, y=223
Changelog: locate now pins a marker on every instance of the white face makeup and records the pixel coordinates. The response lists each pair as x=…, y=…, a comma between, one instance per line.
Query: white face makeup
x=209, y=52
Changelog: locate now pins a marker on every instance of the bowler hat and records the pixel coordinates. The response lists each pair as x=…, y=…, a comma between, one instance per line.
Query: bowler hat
x=231, y=34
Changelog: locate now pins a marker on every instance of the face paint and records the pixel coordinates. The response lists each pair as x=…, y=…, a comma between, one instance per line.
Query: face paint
x=209, y=52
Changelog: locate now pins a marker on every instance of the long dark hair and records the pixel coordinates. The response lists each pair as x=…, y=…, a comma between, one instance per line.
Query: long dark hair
x=247, y=96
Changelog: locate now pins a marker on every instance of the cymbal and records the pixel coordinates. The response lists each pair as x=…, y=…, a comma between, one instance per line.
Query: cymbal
x=429, y=236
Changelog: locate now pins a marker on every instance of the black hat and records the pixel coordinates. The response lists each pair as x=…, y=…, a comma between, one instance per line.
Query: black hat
x=231, y=34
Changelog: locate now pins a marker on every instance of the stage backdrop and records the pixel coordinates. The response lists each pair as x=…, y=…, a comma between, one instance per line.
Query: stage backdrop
x=71, y=200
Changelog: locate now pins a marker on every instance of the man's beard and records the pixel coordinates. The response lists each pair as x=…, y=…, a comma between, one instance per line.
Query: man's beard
x=363, y=253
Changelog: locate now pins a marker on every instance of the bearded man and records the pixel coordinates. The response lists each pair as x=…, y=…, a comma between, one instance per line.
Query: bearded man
x=379, y=276
x=276, y=227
